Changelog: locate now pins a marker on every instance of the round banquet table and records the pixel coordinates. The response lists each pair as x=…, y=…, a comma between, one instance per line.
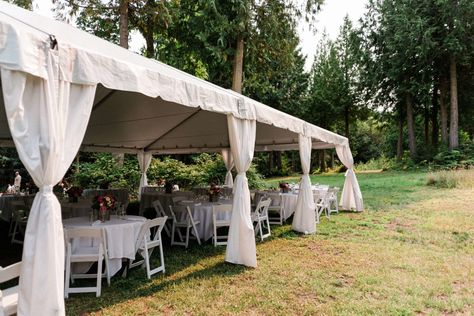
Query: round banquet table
x=286, y=200
x=121, y=235
x=202, y=211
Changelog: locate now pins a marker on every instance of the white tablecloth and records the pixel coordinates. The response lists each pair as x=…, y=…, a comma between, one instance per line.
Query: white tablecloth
x=287, y=200
x=203, y=212
x=121, y=235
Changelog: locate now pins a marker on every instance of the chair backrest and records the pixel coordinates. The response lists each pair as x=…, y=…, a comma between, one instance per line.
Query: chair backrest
x=149, y=226
x=160, y=211
x=275, y=197
x=219, y=209
x=177, y=199
x=10, y=272
x=86, y=232
x=176, y=209
x=320, y=195
x=332, y=192
x=262, y=207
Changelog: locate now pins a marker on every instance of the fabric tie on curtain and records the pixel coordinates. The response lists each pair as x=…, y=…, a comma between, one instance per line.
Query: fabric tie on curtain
x=144, y=160
x=46, y=148
x=46, y=190
x=241, y=248
x=351, y=196
x=229, y=164
x=304, y=220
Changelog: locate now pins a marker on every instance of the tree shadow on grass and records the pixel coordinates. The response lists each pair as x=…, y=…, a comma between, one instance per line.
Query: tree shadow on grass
x=199, y=260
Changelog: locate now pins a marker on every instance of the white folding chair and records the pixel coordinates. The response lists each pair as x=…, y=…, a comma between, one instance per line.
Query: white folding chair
x=9, y=296
x=177, y=199
x=19, y=221
x=333, y=201
x=146, y=243
x=160, y=212
x=220, y=218
x=261, y=217
x=275, y=211
x=185, y=221
x=94, y=251
x=321, y=203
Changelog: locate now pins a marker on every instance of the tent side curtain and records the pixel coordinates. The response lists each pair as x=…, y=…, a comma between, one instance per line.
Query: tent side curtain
x=241, y=248
x=47, y=118
x=144, y=160
x=304, y=220
x=351, y=197
x=229, y=164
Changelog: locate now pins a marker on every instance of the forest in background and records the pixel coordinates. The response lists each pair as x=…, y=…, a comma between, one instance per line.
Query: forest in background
x=398, y=83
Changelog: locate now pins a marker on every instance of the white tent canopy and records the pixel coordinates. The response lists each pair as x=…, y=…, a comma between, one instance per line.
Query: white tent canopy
x=49, y=73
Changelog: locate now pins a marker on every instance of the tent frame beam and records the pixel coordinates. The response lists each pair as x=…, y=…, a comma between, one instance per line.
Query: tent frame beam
x=172, y=129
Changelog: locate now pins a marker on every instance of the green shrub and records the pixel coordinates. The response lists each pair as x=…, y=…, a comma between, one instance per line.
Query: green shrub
x=103, y=169
x=205, y=168
x=382, y=162
x=461, y=158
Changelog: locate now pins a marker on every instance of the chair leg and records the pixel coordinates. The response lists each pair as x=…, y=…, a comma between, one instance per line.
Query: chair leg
x=187, y=236
x=172, y=233
x=147, y=262
x=260, y=228
x=99, y=274
x=196, y=234
x=256, y=229
x=318, y=214
x=162, y=258
x=107, y=271
x=268, y=226
x=214, y=238
x=67, y=278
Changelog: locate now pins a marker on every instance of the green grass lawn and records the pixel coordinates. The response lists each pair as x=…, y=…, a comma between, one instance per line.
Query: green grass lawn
x=411, y=252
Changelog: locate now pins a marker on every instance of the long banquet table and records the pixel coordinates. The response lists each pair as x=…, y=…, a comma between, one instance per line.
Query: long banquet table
x=165, y=198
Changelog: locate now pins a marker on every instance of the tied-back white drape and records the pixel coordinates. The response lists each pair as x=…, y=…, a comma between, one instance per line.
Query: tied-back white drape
x=351, y=197
x=47, y=119
x=304, y=220
x=229, y=164
x=241, y=247
x=144, y=160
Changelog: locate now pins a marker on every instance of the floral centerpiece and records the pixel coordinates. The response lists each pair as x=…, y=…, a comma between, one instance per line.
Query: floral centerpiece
x=284, y=186
x=74, y=193
x=214, y=192
x=103, y=204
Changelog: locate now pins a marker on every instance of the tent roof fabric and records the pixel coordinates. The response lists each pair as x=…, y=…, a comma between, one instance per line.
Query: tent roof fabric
x=140, y=103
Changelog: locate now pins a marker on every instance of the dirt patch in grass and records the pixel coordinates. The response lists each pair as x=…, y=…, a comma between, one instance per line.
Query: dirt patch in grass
x=400, y=224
